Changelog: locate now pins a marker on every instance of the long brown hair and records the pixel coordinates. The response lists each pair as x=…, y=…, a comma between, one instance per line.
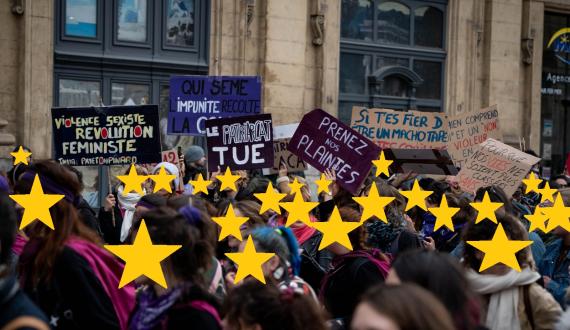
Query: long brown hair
x=65, y=218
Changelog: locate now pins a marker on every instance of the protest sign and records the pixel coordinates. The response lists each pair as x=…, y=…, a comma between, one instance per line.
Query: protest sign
x=281, y=137
x=193, y=99
x=106, y=135
x=171, y=156
x=326, y=143
x=466, y=130
x=401, y=129
x=495, y=163
x=420, y=161
x=241, y=143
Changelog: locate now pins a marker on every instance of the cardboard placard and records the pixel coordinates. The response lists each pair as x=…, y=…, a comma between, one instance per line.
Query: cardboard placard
x=466, y=130
x=193, y=99
x=495, y=163
x=171, y=156
x=242, y=143
x=117, y=135
x=281, y=137
x=420, y=161
x=326, y=143
x=401, y=129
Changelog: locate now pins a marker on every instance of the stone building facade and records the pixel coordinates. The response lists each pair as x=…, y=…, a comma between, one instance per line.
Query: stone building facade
x=492, y=54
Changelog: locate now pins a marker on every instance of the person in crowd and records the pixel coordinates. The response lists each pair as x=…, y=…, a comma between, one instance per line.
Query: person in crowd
x=361, y=267
x=86, y=213
x=255, y=306
x=17, y=311
x=170, y=169
x=65, y=271
x=115, y=218
x=195, y=163
x=186, y=302
x=444, y=277
x=145, y=204
x=511, y=299
x=559, y=181
x=401, y=307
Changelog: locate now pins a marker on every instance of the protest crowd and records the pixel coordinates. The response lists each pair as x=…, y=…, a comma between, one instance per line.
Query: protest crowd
x=397, y=267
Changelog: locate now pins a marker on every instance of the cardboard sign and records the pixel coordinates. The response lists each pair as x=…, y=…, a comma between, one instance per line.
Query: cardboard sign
x=281, y=137
x=326, y=143
x=171, y=156
x=495, y=163
x=420, y=161
x=401, y=129
x=193, y=99
x=466, y=130
x=241, y=142
x=118, y=135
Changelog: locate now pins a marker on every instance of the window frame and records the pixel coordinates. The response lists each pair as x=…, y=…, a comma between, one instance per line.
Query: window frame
x=61, y=8
x=137, y=44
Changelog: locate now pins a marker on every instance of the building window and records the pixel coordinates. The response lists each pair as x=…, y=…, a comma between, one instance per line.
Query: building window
x=132, y=21
x=392, y=54
x=81, y=18
x=180, y=23
x=129, y=94
x=73, y=92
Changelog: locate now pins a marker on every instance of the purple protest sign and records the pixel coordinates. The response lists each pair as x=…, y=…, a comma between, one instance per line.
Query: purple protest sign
x=326, y=143
x=193, y=99
x=242, y=143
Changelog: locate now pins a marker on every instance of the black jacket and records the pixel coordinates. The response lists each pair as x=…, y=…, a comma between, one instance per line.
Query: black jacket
x=111, y=233
x=14, y=303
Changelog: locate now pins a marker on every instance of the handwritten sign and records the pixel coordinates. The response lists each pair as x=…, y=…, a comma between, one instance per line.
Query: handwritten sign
x=495, y=163
x=281, y=137
x=326, y=143
x=193, y=99
x=171, y=156
x=242, y=143
x=401, y=129
x=466, y=130
x=106, y=135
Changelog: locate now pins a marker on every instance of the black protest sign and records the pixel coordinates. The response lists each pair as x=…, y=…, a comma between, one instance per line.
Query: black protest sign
x=420, y=161
x=242, y=143
x=118, y=135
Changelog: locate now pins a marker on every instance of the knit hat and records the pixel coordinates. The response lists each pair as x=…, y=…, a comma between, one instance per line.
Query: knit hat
x=194, y=153
x=170, y=168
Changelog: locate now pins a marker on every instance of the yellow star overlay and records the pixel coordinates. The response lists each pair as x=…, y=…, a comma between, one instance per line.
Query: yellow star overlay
x=295, y=186
x=142, y=258
x=444, y=214
x=486, y=209
x=162, y=180
x=270, y=200
x=228, y=180
x=557, y=214
x=200, y=185
x=500, y=250
x=336, y=230
x=249, y=262
x=382, y=165
x=230, y=224
x=36, y=204
x=298, y=210
x=322, y=184
x=532, y=183
x=133, y=181
x=547, y=193
x=373, y=204
x=416, y=196
x=21, y=156
x=537, y=220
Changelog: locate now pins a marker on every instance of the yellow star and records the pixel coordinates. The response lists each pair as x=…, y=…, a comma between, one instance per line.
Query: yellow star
x=547, y=194
x=499, y=250
x=486, y=209
x=382, y=165
x=557, y=214
x=249, y=262
x=295, y=186
x=133, y=181
x=322, y=184
x=230, y=224
x=36, y=204
x=416, y=196
x=336, y=230
x=162, y=180
x=200, y=185
x=21, y=156
x=537, y=220
x=298, y=210
x=443, y=215
x=228, y=180
x=270, y=199
x=142, y=258
x=373, y=204
x=532, y=183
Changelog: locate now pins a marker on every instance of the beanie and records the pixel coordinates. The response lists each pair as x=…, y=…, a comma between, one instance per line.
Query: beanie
x=194, y=153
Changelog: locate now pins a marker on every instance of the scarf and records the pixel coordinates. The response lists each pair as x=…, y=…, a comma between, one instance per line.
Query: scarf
x=151, y=309
x=19, y=243
x=128, y=204
x=502, y=313
x=109, y=271
x=303, y=233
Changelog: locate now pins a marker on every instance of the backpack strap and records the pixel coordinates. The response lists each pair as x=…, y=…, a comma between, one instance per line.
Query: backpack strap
x=204, y=306
x=527, y=306
x=26, y=322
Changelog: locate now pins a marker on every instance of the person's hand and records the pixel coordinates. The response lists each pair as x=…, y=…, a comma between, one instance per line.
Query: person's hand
x=409, y=222
x=400, y=178
x=283, y=169
x=546, y=280
x=109, y=203
x=330, y=175
x=429, y=244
